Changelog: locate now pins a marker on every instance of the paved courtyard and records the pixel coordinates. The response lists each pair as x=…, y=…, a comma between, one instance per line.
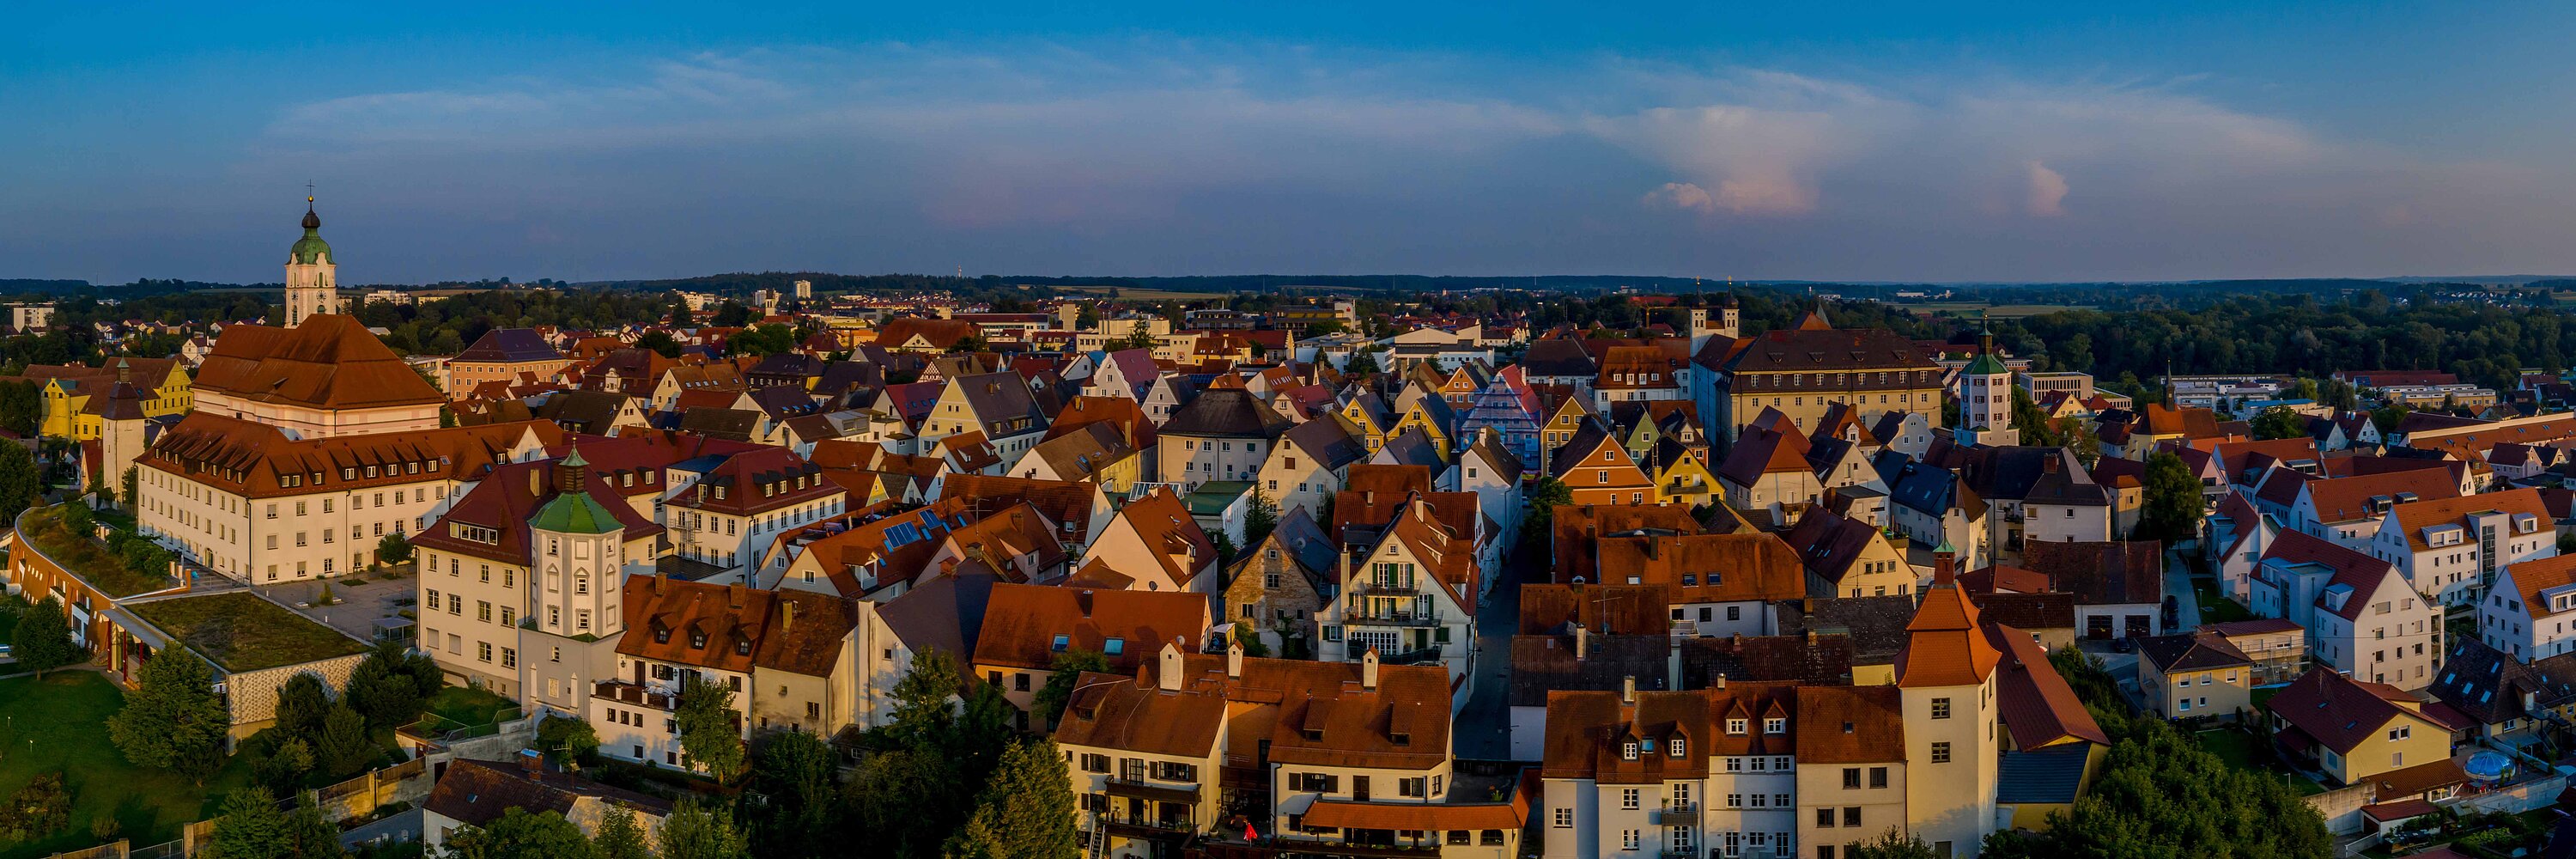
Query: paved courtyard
x=356, y=608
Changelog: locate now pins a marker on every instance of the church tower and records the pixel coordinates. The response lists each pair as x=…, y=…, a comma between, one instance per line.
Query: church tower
x=312, y=278
x=1985, y=399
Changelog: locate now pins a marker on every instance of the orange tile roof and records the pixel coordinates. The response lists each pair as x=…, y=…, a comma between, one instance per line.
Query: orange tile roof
x=1022, y=621
x=2449, y=511
x=258, y=460
x=329, y=362
x=1944, y=645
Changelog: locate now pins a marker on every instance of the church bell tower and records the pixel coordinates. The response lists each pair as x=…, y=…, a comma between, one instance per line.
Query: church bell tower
x=312, y=278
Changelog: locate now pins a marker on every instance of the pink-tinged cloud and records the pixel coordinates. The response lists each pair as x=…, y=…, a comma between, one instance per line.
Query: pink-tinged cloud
x=2047, y=191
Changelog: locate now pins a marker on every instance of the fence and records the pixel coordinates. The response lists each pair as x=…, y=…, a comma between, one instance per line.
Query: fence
x=112, y=850
x=360, y=796
x=2342, y=807
x=2515, y=799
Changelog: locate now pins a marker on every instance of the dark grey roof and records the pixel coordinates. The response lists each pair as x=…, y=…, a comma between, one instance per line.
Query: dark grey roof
x=787, y=364
x=509, y=345
x=1558, y=357
x=582, y=411
x=942, y=612
x=1824, y=660
x=999, y=398
x=2487, y=685
x=2008, y=473
x=2051, y=774
x=734, y=424
x=2190, y=651
x=781, y=402
x=1414, y=447
x=1328, y=441
x=1876, y=624
x=1229, y=413
x=1544, y=662
x=2028, y=612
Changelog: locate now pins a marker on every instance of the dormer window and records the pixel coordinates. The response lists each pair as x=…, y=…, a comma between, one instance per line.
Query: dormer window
x=1735, y=727
x=697, y=640
x=661, y=635
x=1675, y=747
x=1061, y=642
x=742, y=646
x=1628, y=750
x=1775, y=725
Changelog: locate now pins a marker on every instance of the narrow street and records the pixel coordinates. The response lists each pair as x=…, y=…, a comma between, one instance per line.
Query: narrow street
x=1483, y=729
x=2178, y=586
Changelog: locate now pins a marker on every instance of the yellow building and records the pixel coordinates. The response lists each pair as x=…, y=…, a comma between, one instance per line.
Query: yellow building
x=2195, y=675
x=1803, y=371
x=1683, y=479
x=72, y=393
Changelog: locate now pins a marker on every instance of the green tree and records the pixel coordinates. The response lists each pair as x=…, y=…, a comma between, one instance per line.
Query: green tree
x=710, y=739
x=1544, y=497
x=1030, y=801
x=249, y=827
x=968, y=343
x=39, y=809
x=2280, y=422
x=620, y=837
x=393, y=549
x=1261, y=519
x=694, y=831
x=132, y=478
x=1361, y=365
x=680, y=317
x=2160, y=794
x=44, y=639
x=282, y=770
x=2173, y=500
x=1893, y=844
x=923, y=710
x=798, y=780
x=2386, y=418
x=172, y=720
x=517, y=834
x=302, y=705
x=392, y=685
x=312, y=836
x=568, y=739
x=661, y=342
x=905, y=800
x=976, y=840
x=735, y=314
x=343, y=746
x=22, y=406
x=1250, y=639
x=1068, y=666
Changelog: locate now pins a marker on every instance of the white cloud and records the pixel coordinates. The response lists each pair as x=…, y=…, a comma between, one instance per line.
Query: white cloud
x=1681, y=195
x=2047, y=191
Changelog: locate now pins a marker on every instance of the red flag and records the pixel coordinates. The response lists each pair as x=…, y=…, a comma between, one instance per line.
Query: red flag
x=1248, y=834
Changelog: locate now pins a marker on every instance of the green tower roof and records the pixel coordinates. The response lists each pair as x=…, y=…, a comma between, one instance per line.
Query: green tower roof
x=574, y=511
x=1986, y=365
x=311, y=248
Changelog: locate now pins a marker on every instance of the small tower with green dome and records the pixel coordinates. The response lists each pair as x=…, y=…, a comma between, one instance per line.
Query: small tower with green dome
x=312, y=276
x=1985, y=399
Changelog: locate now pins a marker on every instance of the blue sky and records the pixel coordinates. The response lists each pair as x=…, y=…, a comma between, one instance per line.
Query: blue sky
x=2008, y=142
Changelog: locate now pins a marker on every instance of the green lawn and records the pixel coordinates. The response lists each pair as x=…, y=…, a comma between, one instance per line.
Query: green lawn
x=469, y=707
x=2216, y=607
x=56, y=726
x=2238, y=749
x=242, y=632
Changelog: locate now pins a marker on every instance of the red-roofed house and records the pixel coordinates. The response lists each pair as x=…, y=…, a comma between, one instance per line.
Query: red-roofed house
x=2451, y=547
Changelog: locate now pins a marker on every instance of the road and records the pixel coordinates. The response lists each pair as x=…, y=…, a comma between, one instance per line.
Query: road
x=1483, y=729
x=2178, y=586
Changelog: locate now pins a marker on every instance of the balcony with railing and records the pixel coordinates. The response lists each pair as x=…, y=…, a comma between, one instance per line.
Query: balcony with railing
x=1403, y=615
x=1423, y=656
x=1131, y=826
x=1678, y=814
x=1159, y=791
x=630, y=693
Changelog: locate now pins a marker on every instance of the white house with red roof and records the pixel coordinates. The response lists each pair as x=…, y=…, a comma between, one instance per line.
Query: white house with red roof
x=2530, y=613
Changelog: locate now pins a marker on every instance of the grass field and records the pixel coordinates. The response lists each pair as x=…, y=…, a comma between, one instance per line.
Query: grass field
x=2237, y=749
x=458, y=707
x=2216, y=607
x=58, y=726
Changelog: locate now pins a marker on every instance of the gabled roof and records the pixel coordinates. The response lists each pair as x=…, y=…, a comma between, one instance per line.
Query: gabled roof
x=734, y=627
x=2422, y=515
x=2034, y=702
x=2191, y=651
x=2101, y=572
x=2368, y=496
x=476, y=793
x=1226, y=413
x=258, y=460
x=1945, y=645
x=2338, y=712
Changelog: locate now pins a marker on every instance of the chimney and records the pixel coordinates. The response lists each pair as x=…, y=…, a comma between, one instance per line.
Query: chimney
x=1717, y=682
x=1168, y=674
x=659, y=578
x=1233, y=660
x=1628, y=689
x=1082, y=601
x=1582, y=640
x=734, y=595
x=787, y=615
x=1368, y=669
x=536, y=481
x=1945, y=569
